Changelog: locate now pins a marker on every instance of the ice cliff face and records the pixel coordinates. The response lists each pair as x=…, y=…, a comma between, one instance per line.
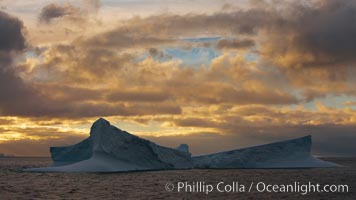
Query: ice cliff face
x=72, y=154
x=109, y=149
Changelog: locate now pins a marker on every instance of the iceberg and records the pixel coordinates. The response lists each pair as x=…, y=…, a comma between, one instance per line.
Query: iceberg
x=295, y=153
x=109, y=149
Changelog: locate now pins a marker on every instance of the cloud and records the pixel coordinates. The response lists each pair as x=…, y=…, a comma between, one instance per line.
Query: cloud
x=316, y=34
x=139, y=95
x=37, y=100
x=221, y=93
x=13, y=90
x=168, y=28
x=349, y=103
x=11, y=37
x=125, y=38
x=158, y=54
x=54, y=11
x=94, y=5
x=48, y=108
x=83, y=81
x=309, y=38
x=287, y=55
x=295, y=34
x=230, y=78
x=232, y=119
x=235, y=44
x=16, y=96
x=65, y=11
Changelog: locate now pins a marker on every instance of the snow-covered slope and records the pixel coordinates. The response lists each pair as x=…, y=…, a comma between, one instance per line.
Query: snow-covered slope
x=109, y=149
x=295, y=153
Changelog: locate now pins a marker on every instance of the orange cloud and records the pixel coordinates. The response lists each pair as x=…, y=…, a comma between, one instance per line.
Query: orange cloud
x=268, y=63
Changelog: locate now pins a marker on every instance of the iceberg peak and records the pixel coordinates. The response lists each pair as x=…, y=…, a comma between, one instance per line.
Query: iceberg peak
x=101, y=122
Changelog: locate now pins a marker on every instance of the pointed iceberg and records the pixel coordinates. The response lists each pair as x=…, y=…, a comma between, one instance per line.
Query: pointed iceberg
x=109, y=149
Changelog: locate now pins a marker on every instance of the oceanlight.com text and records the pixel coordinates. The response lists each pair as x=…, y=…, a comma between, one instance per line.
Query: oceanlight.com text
x=238, y=187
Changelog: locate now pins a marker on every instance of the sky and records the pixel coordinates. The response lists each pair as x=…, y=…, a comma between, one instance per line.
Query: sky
x=214, y=74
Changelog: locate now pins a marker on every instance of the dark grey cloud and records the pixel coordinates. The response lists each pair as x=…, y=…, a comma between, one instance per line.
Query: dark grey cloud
x=53, y=11
x=11, y=37
x=156, y=53
x=12, y=42
x=329, y=31
x=79, y=13
x=320, y=34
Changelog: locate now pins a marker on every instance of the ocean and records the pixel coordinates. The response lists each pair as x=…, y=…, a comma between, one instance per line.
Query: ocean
x=178, y=184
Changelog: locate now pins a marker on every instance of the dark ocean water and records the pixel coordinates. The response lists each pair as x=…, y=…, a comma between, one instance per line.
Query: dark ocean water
x=15, y=184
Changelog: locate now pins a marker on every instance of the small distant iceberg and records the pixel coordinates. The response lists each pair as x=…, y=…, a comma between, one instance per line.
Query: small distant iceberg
x=2, y=155
x=109, y=149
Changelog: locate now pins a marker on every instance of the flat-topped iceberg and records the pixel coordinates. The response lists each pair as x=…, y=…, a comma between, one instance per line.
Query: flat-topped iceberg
x=293, y=153
x=109, y=149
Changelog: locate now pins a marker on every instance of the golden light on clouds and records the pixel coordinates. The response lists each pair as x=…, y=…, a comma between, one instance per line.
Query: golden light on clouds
x=233, y=77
